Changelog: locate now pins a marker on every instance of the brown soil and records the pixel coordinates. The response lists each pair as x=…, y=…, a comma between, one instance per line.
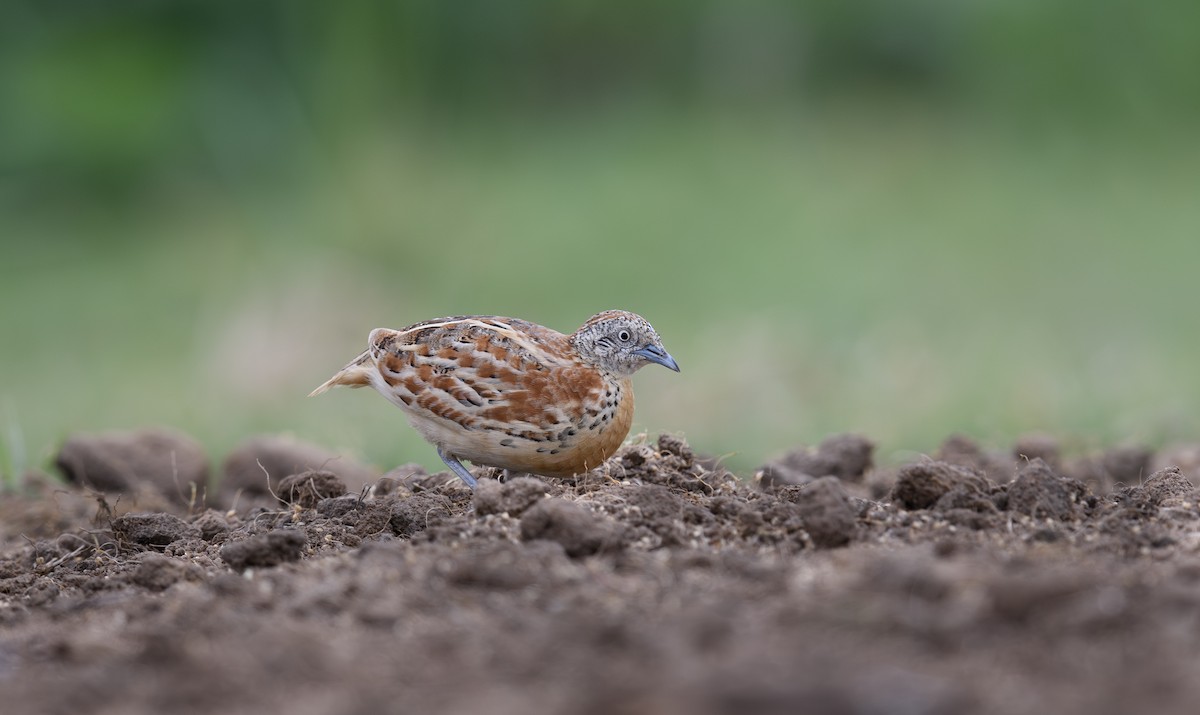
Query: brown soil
x=965, y=582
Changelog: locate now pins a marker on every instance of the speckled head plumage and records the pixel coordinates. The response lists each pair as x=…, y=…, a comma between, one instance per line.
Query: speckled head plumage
x=510, y=393
x=620, y=343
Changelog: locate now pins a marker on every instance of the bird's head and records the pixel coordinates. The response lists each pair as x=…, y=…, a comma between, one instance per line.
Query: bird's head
x=621, y=343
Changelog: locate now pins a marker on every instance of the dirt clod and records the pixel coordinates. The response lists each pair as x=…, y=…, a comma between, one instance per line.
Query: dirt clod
x=963, y=451
x=1118, y=467
x=307, y=488
x=417, y=513
x=256, y=467
x=152, y=529
x=1127, y=465
x=1039, y=492
x=211, y=524
x=512, y=497
x=921, y=485
x=1164, y=487
x=405, y=475
x=157, y=572
x=264, y=550
x=167, y=461
x=1166, y=484
x=1038, y=446
x=968, y=495
x=825, y=510
x=578, y=530
x=339, y=507
x=846, y=456
x=670, y=444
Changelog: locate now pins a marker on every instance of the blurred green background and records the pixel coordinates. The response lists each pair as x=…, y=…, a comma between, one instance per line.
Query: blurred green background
x=898, y=217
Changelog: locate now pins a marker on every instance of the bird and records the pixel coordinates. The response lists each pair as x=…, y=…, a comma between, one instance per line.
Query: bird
x=509, y=393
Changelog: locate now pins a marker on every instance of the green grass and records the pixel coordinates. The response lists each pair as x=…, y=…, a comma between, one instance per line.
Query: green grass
x=898, y=276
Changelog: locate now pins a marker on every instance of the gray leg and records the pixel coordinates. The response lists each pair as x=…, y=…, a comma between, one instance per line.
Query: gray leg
x=457, y=467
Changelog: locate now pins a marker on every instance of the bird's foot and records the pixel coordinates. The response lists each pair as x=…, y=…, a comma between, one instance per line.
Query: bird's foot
x=457, y=467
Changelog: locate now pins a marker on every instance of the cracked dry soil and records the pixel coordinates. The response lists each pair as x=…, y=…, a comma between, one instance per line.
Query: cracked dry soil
x=969, y=581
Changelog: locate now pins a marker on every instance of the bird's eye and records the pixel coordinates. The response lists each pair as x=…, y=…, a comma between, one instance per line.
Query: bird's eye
x=624, y=336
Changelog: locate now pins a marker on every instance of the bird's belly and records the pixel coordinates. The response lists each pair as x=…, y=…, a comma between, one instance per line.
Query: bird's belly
x=585, y=450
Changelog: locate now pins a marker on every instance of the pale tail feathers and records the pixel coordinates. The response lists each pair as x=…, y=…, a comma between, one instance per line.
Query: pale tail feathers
x=356, y=374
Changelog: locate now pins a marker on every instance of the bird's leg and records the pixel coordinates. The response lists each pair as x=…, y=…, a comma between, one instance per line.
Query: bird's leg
x=457, y=467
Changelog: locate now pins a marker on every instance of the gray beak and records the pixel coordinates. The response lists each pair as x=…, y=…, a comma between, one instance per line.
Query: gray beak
x=653, y=353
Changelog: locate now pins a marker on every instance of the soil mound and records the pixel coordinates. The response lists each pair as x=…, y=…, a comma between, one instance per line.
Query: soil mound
x=1015, y=581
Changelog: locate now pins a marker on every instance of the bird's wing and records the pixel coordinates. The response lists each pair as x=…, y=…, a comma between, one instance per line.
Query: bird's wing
x=488, y=373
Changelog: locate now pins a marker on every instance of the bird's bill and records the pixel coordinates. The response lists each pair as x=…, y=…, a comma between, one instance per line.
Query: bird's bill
x=655, y=354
